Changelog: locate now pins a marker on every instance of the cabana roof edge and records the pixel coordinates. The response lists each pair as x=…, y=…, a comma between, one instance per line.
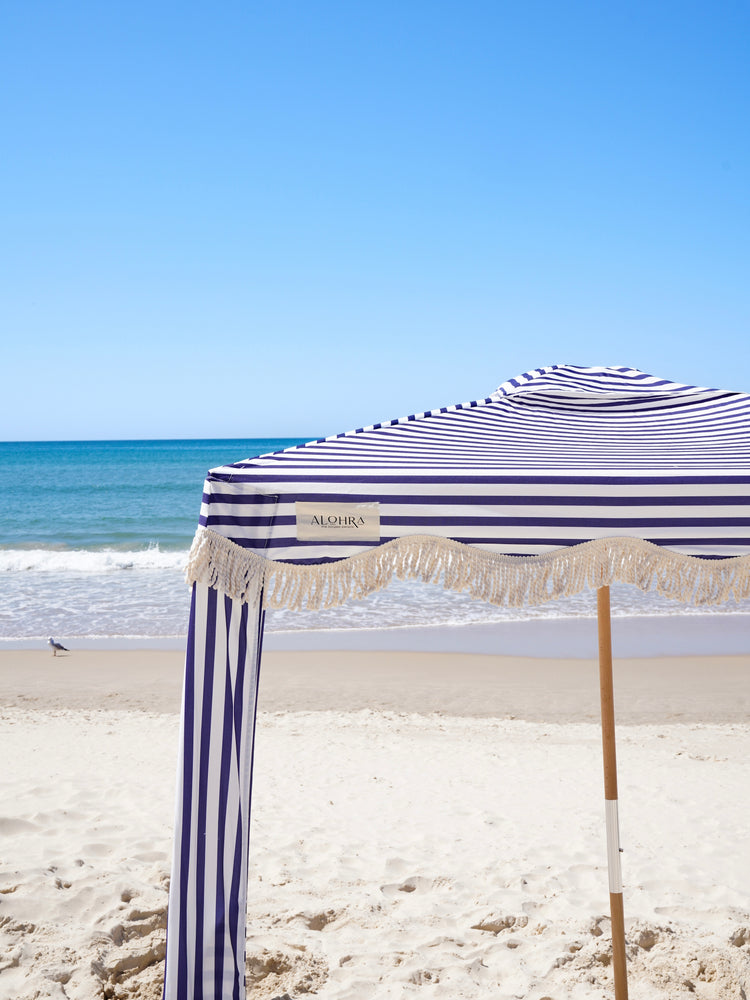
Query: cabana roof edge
x=510, y=581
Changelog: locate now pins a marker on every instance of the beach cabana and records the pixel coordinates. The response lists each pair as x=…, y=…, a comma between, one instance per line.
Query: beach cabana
x=563, y=478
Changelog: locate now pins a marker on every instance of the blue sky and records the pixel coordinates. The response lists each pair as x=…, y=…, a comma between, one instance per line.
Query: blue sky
x=293, y=218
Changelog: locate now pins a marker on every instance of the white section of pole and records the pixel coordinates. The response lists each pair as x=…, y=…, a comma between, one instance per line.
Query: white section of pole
x=606, y=687
x=613, y=846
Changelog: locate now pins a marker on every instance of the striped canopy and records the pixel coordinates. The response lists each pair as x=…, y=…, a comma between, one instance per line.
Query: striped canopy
x=563, y=478
x=553, y=458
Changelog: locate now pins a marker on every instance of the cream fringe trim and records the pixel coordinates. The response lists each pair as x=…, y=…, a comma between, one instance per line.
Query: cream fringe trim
x=511, y=581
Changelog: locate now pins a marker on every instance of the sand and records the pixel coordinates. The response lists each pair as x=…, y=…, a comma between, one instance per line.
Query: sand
x=426, y=824
x=648, y=690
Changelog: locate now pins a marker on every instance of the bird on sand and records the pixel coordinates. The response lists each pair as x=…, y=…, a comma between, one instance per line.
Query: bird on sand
x=57, y=645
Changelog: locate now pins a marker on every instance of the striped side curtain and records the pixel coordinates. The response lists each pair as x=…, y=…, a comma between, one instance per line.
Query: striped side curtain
x=208, y=892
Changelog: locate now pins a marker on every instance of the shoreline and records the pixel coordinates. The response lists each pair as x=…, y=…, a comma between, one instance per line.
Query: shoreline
x=717, y=633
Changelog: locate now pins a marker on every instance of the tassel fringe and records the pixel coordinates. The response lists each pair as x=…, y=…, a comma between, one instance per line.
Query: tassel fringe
x=510, y=581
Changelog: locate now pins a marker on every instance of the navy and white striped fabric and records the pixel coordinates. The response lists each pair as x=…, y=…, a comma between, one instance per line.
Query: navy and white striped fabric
x=555, y=457
x=208, y=890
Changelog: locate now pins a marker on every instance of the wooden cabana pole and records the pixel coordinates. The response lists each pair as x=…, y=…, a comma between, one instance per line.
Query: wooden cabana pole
x=610, y=793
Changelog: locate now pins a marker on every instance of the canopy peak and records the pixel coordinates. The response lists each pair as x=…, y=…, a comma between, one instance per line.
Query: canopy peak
x=599, y=380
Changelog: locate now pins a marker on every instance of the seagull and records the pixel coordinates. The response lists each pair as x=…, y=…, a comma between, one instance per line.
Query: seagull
x=57, y=645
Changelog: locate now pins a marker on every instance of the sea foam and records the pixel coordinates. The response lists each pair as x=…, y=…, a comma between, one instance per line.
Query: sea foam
x=63, y=560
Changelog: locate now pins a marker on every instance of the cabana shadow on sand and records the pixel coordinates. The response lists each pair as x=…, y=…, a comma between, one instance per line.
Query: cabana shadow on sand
x=564, y=478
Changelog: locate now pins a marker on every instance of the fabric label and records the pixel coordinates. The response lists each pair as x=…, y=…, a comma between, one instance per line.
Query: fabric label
x=338, y=522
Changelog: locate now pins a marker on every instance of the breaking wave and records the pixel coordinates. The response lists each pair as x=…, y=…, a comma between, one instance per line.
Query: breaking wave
x=97, y=561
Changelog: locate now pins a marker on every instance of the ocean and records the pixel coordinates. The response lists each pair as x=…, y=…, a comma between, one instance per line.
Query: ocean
x=94, y=536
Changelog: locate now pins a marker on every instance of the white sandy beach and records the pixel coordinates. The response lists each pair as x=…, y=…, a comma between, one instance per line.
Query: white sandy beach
x=425, y=824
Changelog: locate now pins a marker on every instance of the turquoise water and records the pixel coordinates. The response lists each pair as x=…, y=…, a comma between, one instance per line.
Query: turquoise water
x=94, y=537
x=94, y=534
x=105, y=495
